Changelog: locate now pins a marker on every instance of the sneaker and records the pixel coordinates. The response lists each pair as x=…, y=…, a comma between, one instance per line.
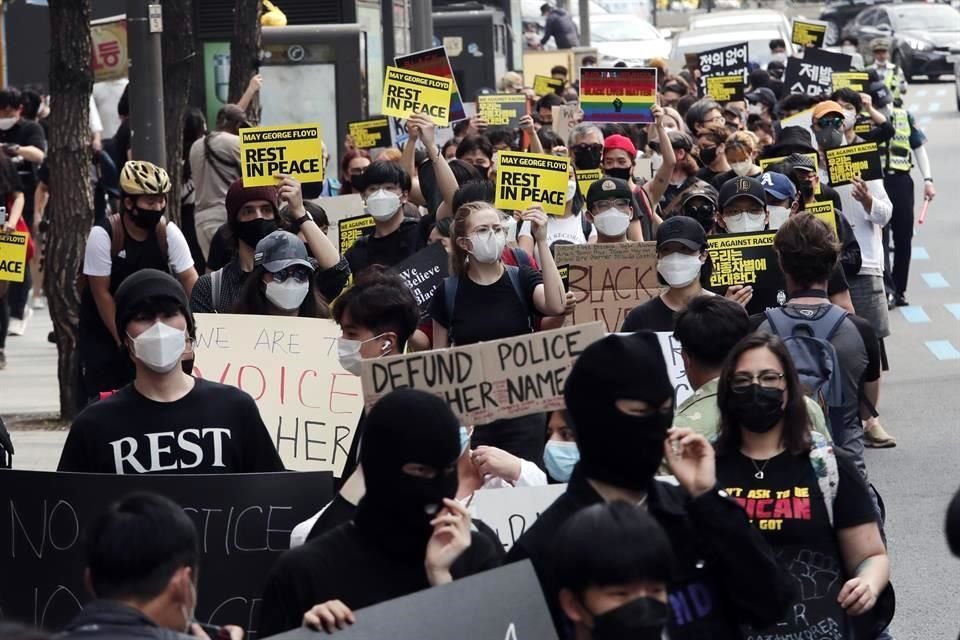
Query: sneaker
x=900, y=300
x=3, y=360
x=19, y=327
x=875, y=436
x=39, y=302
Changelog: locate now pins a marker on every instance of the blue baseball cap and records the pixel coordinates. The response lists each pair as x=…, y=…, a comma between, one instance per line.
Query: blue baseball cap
x=778, y=186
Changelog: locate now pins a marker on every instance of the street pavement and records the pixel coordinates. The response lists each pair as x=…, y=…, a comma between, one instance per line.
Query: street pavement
x=920, y=397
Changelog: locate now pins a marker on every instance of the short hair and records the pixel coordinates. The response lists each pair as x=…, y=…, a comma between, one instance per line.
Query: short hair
x=675, y=86
x=849, y=96
x=559, y=69
x=759, y=78
x=380, y=301
x=807, y=248
x=795, y=102
x=135, y=546
x=597, y=547
x=588, y=60
x=503, y=135
x=851, y=39
x=742, y=139
x=582, y=130
x=715, y=133
x=549, y=139
x=31, y=101
x=319, y=213
x=473, y=191
x=777, y=43
x=549, y=101
x=709, y=328
x=698, y=111
x=463, y=171
x=384, y=172
x=10, y=97
x=474, y=143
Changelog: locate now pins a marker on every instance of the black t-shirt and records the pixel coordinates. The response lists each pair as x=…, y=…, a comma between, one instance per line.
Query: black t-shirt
x=388, y=250
x=346, y=565
x=707, y=174
x=212, y=429
x=26, y=133
x=487, y=312
x=652, y=315
x=788, y=509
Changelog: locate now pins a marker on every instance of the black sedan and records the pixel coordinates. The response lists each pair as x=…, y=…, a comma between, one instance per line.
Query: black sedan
x=921, y=35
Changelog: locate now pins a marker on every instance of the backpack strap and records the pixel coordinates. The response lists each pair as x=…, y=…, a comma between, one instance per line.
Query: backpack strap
x=117, y=234
x=824, y=462
x=514, y=273
x=216, y=281
x=521, y=257
x=785, y=325
x=161, y=231
x=450, y=286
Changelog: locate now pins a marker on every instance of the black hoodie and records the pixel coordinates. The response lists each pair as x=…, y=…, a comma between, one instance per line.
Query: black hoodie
x=111, y=620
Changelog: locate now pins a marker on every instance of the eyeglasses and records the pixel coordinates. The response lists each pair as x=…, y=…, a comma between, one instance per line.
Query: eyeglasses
x=619, y=203
x=768, y=379
x=714, y=119
x=833, y=122
x=298, y=272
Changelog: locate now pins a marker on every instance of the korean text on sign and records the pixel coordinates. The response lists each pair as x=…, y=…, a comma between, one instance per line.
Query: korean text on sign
x=808, y=33
x=502, y=109
x=370, y=134
x=352, y=229
x=293, y=149
x=527, y=179
x=406, y=93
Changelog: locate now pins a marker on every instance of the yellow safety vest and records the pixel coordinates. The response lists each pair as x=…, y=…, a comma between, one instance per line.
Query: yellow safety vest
x=896, y=154
x=890, y=76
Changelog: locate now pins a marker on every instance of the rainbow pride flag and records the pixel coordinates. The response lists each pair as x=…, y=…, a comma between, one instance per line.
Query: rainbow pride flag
x=618, y=94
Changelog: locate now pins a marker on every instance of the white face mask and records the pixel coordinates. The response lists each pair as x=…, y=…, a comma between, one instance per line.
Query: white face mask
x=744, y=222
x=287, y=295
x=679, y=269
x=611, y=222
x=571, y=189
x=741, y=168
x=778, y=215
x=487, y=246
x=848, y=49
x=7, y=123
x=159, y=348
x=348, y=353
x=849, y=119
x=780, y=56
x=755, y=109
x=383, y=205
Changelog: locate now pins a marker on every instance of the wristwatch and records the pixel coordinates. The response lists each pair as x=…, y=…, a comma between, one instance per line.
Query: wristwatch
x=299, y=221
x=930, y=180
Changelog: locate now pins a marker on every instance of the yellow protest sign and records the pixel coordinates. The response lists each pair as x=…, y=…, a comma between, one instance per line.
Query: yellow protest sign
x=266, y=151
x=370, y=134
x=726, y=88
x=765, y=163
x=808, y=33
x=406, y=93
x=854, y=161
x=586, y=177
x=824, y=211
x=856, y=80
x=13, y=256
x=527, y=179
x=542, y=85
x=352, y=229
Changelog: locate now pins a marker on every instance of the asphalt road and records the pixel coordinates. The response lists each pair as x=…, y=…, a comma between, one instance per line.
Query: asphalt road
x=920, y=396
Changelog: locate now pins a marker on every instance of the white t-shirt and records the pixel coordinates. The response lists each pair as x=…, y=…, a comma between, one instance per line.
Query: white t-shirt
x=97, y=260
x=567, y=228
x=107, y=95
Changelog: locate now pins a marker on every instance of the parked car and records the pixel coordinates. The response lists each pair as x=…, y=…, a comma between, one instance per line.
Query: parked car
x=742, y=18
x=839, y=13
x=626, y=38
x=757, y=39
x=921, y=35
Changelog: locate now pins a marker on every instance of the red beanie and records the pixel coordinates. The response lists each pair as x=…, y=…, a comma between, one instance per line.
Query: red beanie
x=237, y=196
x=617, y=141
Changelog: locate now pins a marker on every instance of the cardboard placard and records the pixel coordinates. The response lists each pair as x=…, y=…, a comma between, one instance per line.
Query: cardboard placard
x=643, y=170
x=13, y=256
x=618, y=94
x=513, y=609
x=510, y=512
x=338, y=208
x=824, y=211
x=585, y=178
x=542, y=85
x=406, y=93
x=856, y=80
x=724, y=62
x=435, y=63
x=109, y=58
x=565, y=118
x=487, y=381
x=748, y=258
x=813, y=74
x=349, y=230
x=289, y=365
x=855, y=160
x=765, y=163
x=243, y=522
x=502, y=109
x=296, y=149
x=371, y=134
x=725, y=88
x=670, y=347
x=808, y=33
x=526, y=179
x=608, y=280
x=423, y=272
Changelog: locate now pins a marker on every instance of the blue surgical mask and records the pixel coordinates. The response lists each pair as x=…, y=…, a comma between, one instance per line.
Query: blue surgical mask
x=560, y=458
x=464, y=438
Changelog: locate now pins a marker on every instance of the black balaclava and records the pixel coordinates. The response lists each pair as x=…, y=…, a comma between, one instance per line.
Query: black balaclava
x=617, y=448
x=407, y=426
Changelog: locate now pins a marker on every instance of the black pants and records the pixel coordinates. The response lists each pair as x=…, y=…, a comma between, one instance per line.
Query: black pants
x=18, y=294
x=4, y=315
x=899, y=186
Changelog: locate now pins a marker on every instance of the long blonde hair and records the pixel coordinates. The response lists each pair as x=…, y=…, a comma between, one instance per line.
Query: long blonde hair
x=458, y=255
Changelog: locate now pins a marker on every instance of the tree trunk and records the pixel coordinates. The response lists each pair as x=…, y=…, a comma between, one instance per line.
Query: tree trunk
x=245, y=52
x=178, y=56
x=71, y=196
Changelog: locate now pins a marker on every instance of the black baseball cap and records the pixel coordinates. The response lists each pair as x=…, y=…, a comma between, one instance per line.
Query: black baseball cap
x=684, y=230
x=742, y=186
x=148, y=284
x=705, y=191
x=280, y=250
x=607, y=187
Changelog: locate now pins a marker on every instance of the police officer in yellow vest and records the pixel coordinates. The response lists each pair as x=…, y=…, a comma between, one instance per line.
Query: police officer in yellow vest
x=890, y=73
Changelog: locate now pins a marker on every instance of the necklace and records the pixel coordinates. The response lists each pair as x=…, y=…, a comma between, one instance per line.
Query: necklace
x=759, y=470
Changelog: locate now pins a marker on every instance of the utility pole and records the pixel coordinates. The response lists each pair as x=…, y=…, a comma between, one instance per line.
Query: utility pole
x=421, y=24
x=584, y=23
x=144, y=31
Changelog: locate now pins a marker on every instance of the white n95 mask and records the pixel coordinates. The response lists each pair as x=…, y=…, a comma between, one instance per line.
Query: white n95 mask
x=159, y=348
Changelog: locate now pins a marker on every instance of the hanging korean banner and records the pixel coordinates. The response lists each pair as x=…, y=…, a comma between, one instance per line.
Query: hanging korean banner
x=854, y=161
x=502, y=109
x=527, y=179
x=109, y=59
x=371, y=134
x=813, y=74
x=406, y=93
x=435, y=62
x=618, y=94
x=723, y=72
x=295, y=149
x=808, y=33
x=748, y=259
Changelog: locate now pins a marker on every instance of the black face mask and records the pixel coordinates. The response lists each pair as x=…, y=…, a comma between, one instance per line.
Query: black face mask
x=253, y=231
x=587, y=158
x=829, y=138
x=356, y=183
x=146, y=218
x=806, y=190
x=708, y=155
x=624, y=173
x=756, y=408
x=640, y=619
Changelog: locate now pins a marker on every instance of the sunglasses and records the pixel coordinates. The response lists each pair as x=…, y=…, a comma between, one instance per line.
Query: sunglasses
x=298, y=272
x=834, y=122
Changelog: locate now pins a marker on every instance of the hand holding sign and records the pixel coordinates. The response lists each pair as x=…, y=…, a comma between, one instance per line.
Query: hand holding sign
x=538, y=223
x=527, y=124
x=451, y=537
x=657, y=112
x=290, y=192
x=329, y=616
x=422, y=127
